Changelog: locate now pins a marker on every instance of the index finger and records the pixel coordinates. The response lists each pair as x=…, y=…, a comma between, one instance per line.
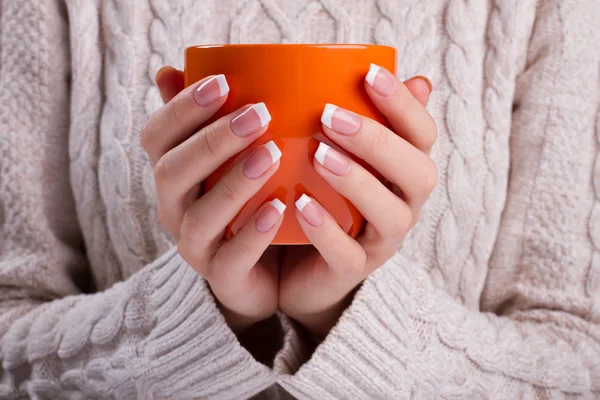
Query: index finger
x=181, y=117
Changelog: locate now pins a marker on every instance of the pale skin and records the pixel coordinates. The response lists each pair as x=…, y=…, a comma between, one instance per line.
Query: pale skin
x=312, y=285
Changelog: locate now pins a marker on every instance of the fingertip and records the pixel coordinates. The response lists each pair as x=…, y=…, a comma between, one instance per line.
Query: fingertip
x=310, y=210
x=161, y=72
x=166, y=72
x=170, y=82
x=269, y=216
x=426, y=80
x=381, y=81
x=420, y=87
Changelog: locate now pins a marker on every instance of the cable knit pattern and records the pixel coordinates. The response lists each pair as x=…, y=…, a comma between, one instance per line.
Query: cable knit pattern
x=411, y=30
x=130, y=340
x=116, y=139
x=436, y=348
x=464, y=121
x=412, y=27
x=494, y=294
x=504, y=45
x=84, y=145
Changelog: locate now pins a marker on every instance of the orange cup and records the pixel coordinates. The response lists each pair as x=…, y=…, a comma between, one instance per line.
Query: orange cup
x=295, y=82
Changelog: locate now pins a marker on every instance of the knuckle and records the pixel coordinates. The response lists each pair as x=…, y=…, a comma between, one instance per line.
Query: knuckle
x=245, y=283
x=353, y=264
x=194, y=257
x=350, y=263
x=361, y=183
x=429, y=177
x=331, y=242
x=193, y=230
x=174, y=108
x=146, y=134
x=245, y=247
x=215, y=271
x=399, y=225
x=410, y=104
x=396, y=228
x=378, y=139
x=162, y=173
x=228, y=190
x=165, y=220
x=353, y=267
x=229, y=278
x=211, y=140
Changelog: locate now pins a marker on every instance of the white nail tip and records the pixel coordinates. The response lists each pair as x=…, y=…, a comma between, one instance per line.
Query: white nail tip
x=321, y=152
x=263, y=113
x=328, y=114
x=373, y=71
x=302, y=202
x=223, y=85
x=279, y=206
x=273, y=150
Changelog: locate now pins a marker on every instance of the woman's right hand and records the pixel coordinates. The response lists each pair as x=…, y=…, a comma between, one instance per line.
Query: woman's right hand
x=242, y=278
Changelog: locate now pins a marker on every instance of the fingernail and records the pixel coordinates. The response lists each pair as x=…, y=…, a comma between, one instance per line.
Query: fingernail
x=211, y=91
x=161, y=72
x=381, y=80
x=309, y=210
x=340, y=120
x=332, y=160
x=251, y=120
x=426, y=80
x=269, y=216
x=262, y=159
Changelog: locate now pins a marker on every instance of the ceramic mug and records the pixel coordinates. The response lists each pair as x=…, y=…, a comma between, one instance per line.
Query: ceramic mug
x=295, y=81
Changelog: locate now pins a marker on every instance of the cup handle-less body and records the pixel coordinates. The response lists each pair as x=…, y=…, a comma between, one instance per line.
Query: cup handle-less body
x=295, y=82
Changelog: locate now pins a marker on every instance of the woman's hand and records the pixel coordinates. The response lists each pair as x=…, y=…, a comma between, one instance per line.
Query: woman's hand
x=316, y=283
x=243, y=279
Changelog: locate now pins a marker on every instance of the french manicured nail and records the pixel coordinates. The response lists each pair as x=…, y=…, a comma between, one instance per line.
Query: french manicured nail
x=332, y=160
x=381, y=80
x=251, y=120
x=211, y=91
x=262, y=159
x=340, y=120
x=309, y=210
x=269, y=216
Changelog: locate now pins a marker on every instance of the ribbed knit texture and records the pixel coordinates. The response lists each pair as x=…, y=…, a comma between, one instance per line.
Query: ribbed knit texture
x=494, y=294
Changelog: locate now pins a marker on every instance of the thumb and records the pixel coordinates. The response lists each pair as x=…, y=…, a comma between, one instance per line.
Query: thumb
x=170, y=82
x=420, y=87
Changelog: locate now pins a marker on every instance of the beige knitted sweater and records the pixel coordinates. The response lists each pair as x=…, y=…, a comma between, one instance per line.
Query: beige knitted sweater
x=494, y=294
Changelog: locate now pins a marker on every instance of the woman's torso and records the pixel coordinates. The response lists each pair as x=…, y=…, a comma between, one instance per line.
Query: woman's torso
x=470, y=51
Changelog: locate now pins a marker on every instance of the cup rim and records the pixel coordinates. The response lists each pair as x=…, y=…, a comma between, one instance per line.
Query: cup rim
x=333, y=46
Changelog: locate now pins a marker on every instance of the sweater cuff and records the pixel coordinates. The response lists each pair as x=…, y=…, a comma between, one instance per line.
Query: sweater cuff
x=404, y=336
x=368, y=353
x=191, y=351
x=296, y=349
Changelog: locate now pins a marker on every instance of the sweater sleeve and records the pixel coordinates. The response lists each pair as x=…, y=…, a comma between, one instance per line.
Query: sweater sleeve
x=405, y=337
x=156, y=335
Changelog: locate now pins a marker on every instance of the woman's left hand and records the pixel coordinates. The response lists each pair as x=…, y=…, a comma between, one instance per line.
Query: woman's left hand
x=316, y=283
